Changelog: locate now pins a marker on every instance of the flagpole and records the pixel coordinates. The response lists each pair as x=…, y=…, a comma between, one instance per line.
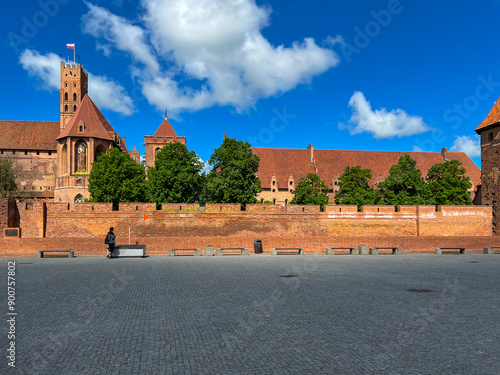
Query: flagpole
x=74, y=54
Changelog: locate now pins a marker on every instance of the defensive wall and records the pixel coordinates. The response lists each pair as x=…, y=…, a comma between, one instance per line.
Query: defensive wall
x=83, y=226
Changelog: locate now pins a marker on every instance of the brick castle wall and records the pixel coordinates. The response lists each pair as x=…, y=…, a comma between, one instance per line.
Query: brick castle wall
x=62, y=225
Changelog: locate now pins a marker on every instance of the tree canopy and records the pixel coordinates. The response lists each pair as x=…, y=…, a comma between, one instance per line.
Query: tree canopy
x=404, y=185
x=8, y=175
x=116, y=177
x=448, y=184
x=176, y=176
x=232, y=178
x=311, y=190
x=355, y=187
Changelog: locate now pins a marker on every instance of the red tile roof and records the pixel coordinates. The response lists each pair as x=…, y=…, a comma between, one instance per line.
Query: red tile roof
x=29, y=135
x=282, y=162
x=165, y=130
x=96, y=125
x=492, y=118
x=330, y=163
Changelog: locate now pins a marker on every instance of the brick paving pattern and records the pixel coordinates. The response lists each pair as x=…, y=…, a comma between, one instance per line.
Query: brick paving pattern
x=256, y=315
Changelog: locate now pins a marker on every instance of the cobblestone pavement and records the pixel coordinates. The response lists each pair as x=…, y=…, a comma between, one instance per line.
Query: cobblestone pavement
x=256, y=315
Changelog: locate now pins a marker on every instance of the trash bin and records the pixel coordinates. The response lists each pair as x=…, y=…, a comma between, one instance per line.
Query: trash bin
x=257, y=246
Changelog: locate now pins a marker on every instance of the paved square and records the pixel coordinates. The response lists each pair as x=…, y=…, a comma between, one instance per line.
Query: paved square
x=256, y=315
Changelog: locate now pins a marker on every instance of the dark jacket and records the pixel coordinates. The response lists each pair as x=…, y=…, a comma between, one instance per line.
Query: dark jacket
x=110, y=238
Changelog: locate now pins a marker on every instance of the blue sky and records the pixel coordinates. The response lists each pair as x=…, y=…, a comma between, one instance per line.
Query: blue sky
x=359, y=75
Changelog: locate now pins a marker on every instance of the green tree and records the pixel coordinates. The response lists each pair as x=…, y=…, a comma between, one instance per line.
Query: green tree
x=116, y=177
x=355, y=187
x=404, y=185
x=176, y=176
x=8, y=175
x=232, y=178
x=311, y=190
x=448, y=184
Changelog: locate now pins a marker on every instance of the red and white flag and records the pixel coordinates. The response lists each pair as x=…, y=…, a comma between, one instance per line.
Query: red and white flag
x=70, y=46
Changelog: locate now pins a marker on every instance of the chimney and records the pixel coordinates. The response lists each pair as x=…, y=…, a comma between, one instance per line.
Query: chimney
x=444, y=153
x=310, y=152
x=224, y=135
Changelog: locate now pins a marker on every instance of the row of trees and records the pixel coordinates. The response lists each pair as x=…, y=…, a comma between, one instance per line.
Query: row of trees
x=445, y=184
x=177, y=176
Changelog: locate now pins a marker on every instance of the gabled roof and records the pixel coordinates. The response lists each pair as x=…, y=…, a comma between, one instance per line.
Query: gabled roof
x=330, y=163
x=165, y=130
x=96, y=125
x=492, y=118
x=29, y=135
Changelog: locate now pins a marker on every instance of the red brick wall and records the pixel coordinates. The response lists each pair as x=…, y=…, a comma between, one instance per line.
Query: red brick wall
x=187, y=226
x=312, y=245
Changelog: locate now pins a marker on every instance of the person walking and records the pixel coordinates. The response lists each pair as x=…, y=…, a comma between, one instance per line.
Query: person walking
x=110, y=241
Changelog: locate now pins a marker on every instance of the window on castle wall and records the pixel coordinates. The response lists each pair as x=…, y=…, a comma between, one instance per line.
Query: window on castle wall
x=65, y=108
x=65, y=96
x=81, y=157
x=79, y=182
x=274, y=182
x=490, y=136
x=65, y=84
x=74, y=84
x=74, y=108
x=74, y=97
x=79, y=199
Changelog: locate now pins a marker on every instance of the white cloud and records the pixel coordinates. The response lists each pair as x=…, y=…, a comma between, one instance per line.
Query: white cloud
x=44, y=67
x=212, y=52
x=417, y=149
x=471, y=145
x=381, y=123
x=100, y=22
x=106, y=93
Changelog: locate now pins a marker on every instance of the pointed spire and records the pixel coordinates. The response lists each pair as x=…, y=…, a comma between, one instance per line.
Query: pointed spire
x=166, y=113
x=224, y=135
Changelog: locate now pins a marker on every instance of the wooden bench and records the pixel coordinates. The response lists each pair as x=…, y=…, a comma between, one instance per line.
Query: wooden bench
x=195, y=252
x=71, y=253
x=288, y=251
x=122, y=251
x=232, y=250
x=439, y=251
x=352, y=250
x=395, y=250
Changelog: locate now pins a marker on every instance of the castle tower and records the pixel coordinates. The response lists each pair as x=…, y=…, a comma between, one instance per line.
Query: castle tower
x=74, y=87
x=164, y=135
x=489, y=131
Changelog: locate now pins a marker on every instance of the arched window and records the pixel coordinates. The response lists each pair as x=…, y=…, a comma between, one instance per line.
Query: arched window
x=65, y=84
x=65, y=96
x=274, y=201
x=157, y=151
x=74, y=97
x=81, y=157
x=79, y=199
x=65, y=108
x=79, y=182
x=98, y=152
x=74, y=108
x=74, y=84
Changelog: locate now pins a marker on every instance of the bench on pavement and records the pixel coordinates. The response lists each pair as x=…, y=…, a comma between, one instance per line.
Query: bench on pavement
x=439, y=250
x=183, y=252
x=490, y=250
x=352, y=250
x=122, y=251
x=231, y=251
x=71, y=253
x=288, y=251
x=395, y=250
